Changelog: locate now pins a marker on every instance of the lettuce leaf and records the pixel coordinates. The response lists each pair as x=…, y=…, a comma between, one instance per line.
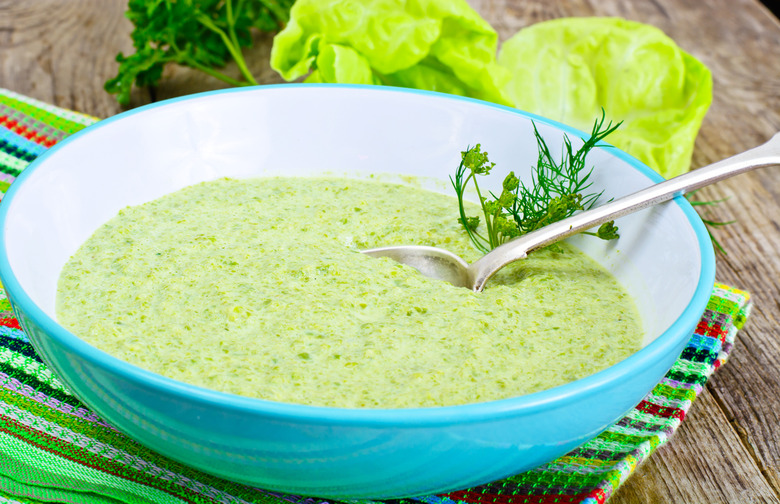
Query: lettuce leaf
x=567, y=69
x=570, y=69
x=439, y=45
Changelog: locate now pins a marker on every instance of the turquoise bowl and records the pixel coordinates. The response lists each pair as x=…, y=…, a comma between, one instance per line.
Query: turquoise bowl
x=664, y=258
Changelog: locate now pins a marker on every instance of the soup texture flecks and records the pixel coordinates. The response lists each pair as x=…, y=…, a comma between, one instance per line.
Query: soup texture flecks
x=256, y=287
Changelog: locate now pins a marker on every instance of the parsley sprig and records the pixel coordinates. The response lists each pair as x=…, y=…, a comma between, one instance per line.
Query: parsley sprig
x=557, y=190
x=201, y=34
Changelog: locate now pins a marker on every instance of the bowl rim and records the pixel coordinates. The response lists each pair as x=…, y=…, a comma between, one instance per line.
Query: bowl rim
x=418, y=417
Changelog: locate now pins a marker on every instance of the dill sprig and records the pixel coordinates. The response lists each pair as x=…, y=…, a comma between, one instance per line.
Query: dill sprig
x=708, y=222
x=557, y=190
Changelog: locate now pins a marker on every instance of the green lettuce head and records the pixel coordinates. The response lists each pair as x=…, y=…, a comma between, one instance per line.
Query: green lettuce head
x=570, y=69
x=439, y=45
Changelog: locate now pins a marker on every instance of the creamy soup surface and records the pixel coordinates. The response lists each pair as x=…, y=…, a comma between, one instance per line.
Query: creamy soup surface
x=256, y=287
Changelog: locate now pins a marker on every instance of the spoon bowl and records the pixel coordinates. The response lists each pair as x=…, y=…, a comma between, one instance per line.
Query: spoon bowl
x=441, y=264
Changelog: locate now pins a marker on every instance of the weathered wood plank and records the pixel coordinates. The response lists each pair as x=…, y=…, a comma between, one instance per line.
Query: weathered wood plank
x=62, y=52
x=681, y=471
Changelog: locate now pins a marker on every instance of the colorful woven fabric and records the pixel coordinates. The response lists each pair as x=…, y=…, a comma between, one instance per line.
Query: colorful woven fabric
x=54, y=449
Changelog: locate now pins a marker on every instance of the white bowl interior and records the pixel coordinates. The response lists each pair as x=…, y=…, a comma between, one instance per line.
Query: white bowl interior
x=300, y=130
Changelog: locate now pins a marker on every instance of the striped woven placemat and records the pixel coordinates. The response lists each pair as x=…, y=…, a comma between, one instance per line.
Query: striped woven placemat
x=54, y=449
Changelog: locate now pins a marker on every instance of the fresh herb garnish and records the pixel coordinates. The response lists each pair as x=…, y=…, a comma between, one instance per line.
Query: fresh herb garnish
x=201, y=34
x=557, y=190
x=709, y=222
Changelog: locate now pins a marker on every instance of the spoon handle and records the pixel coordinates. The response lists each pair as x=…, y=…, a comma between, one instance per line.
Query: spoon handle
x=767, y=154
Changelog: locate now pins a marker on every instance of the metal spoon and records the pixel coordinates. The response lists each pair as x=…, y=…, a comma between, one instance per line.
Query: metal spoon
x=444, y=265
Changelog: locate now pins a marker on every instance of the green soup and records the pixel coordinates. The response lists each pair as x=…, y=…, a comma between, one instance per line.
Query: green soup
x=257, y=287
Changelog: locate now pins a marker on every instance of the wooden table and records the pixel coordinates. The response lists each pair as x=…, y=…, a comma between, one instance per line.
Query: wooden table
x=728, y=449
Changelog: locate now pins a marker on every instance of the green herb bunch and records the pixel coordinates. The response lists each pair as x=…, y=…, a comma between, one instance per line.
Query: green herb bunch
x=201, y=34
x=557, y=190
